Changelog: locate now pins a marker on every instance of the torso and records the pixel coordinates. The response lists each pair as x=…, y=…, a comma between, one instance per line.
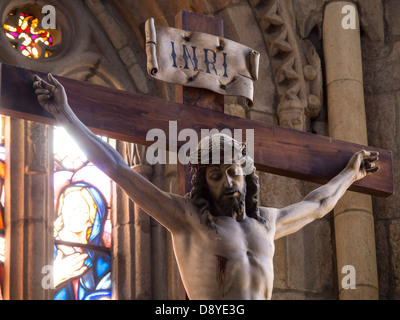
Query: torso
x=233, y=262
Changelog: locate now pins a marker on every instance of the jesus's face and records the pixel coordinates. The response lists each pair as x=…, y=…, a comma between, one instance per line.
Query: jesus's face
x=227, y=187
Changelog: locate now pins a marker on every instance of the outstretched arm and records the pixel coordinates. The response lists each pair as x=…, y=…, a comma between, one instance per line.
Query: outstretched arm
x=164, y=207
x=322, y=200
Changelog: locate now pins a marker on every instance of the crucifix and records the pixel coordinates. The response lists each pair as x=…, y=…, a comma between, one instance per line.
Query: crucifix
x=129, y=117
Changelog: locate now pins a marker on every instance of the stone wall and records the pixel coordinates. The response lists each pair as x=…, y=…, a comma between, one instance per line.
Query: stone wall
x=305, y=263
x=112, y=53
x=382, y=94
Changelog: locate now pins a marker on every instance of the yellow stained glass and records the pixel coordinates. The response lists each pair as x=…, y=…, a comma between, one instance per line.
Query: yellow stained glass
x=27, y=36
x=82, y=226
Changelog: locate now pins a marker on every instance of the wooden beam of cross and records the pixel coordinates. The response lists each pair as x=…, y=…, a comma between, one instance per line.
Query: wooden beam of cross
x=202, y=98
x=129, y=116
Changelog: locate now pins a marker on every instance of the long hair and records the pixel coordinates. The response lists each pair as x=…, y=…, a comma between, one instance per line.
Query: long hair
x=224, y=146
x=201, y=197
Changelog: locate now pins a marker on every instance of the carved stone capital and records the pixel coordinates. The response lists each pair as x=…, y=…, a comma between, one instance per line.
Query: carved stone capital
x=36, y=153
x=295, y=63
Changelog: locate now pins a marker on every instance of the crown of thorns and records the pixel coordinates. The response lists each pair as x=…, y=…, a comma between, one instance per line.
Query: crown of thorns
x=207, y=149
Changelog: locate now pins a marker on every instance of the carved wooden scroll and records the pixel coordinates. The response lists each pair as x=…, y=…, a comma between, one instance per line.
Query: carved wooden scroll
x=201, y=60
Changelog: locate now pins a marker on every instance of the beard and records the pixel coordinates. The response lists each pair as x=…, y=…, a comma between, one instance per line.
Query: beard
x=231, y=206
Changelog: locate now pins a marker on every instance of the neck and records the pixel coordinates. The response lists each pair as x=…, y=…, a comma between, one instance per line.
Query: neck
x=239, y=217
x=237, y=212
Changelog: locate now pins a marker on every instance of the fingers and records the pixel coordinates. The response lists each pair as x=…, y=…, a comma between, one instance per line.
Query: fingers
x=40, y=83
x=373, y=157
x=43, y=98
x=370, y=156
x=368, y=161
x=42, y=91
x=77, y=260
x=373, y=170
x=368, y=164
x=43, y=95
x=367, y=154
x=78, y=272
x=53, y=80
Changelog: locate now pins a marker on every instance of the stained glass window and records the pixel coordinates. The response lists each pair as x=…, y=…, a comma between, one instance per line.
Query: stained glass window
x=2, y=173
x=23, y=30
x=82, y=227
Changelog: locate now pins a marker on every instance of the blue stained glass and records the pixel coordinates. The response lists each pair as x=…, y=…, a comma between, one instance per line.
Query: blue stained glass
x=103, y=265
x=88, y=263
x=99, y=295
x=82, y=228
x=63, y=294
x=104, y=283
x=95, y=265
x=81, y=293
x=87, y=281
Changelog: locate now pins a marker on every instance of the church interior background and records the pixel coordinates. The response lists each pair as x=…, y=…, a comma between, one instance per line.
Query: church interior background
x=63, y=217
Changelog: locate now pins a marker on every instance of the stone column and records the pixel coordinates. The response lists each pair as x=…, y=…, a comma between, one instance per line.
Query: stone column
x=159, y=245
x=29, y=209
x=143, y=244
x=133, y=269
x=123, y=242
x=353, y=218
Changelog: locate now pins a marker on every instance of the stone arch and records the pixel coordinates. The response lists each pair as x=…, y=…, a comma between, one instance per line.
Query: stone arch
x=64, y=33
x=86, y=53
x=83, y=53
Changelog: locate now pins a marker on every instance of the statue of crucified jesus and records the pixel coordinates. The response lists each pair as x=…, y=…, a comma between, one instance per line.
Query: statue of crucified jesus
x=223, y=240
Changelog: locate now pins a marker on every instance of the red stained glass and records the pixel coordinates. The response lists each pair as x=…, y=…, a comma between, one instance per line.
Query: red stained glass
x=31, y=41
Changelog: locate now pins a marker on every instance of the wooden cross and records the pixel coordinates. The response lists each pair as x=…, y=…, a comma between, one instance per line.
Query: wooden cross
x=129, y=116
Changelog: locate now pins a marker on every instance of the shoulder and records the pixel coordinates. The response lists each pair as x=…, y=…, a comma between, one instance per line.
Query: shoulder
x=187, y=212
x=184, y=204
x=270, y=215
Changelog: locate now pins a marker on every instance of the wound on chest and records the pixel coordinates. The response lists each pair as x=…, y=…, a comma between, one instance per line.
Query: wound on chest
x=221, y=269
